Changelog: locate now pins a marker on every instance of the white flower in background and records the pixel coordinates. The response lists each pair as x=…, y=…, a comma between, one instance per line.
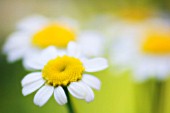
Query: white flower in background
x=144, y=50
x=92, y=43
x=56, y=71
x=37, y=32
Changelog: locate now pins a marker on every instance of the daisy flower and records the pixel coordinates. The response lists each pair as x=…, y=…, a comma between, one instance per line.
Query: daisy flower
x=36, y=33
x=144, y=50
x=57, y=70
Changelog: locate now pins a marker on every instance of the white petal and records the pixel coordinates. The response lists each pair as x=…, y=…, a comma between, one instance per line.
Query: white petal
x=16, y=46
x=43, y=95
x=16, y=54
x=32, y=77
x=29, y=88
x=33, y=63
x=68, y=22
x=60, y=95
x=32, y=23
x=91, y=43
x=81, y=91
x=73, y=49
x=95, y=64
x=77, y=90
x=91, y=81
x=48, y=54
x=89, y=94
x=39, y=59
x=17, y=40
x=61, y=52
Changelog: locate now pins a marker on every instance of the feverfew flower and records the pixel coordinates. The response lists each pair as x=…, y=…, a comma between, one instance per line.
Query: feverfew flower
x=57, y=71
x=144, y=50
x=37, y=33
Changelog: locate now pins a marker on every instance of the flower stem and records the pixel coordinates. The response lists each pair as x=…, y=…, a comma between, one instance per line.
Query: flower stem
x=69, y=102
x=158, y=95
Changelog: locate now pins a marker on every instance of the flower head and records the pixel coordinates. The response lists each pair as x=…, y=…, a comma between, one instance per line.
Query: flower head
x=145, y=51
x=37, y=33
x=61, y=69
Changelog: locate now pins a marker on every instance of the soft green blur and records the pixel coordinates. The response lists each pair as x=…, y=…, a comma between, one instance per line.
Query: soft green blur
x=119, y=93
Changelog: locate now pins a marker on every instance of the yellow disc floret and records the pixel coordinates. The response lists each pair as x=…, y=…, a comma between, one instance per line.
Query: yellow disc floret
x=63, y=70
x=53, y=34
x=157, y=43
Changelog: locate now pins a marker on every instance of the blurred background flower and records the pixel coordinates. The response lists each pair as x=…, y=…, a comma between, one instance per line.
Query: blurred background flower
x=112, y=21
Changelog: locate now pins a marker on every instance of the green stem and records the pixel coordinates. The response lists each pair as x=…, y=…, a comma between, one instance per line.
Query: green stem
x=69, y=102
x=143, y=97
x=161, y=89
x=158, y=97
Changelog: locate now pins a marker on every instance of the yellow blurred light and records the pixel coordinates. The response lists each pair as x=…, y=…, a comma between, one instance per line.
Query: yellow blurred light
x=134, y=14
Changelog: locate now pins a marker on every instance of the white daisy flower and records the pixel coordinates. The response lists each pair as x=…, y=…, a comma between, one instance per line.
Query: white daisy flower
x=37, y=32
x=56, y=71
x=92, y=43
x=144, y=50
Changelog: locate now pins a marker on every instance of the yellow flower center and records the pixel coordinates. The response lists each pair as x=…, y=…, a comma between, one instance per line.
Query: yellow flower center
x=53, y=34
x=63, y=70
x=157, y=43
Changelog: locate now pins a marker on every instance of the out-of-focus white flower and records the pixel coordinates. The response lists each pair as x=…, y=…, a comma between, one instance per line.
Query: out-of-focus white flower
x=35, y=33
x=92, y=43
x=143, y=49
x=105, y=27
x=56, y=70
